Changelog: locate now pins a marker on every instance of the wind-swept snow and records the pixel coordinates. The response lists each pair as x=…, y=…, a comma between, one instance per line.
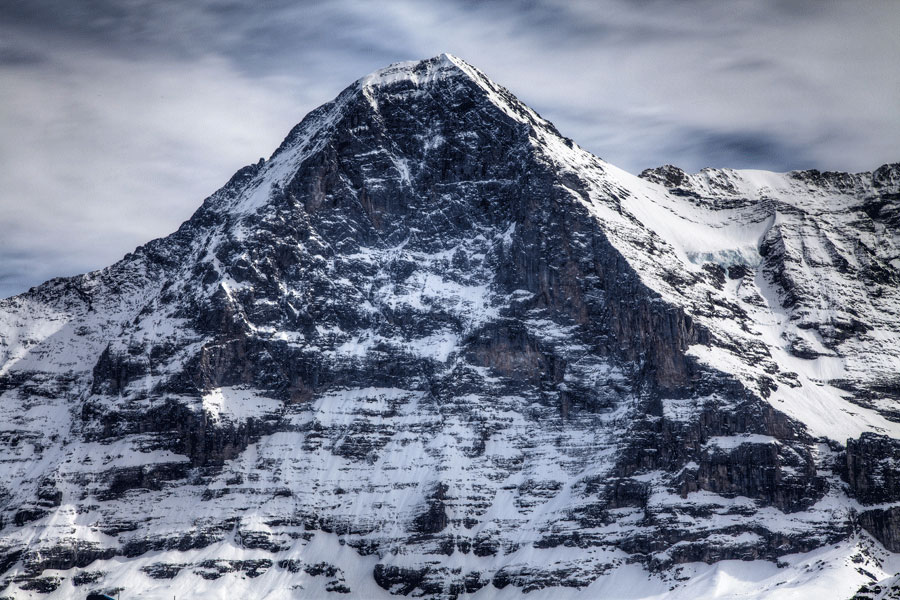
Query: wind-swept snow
x=433, y=348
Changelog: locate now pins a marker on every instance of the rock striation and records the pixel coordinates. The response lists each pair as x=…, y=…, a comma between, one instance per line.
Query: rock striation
x=431, y=347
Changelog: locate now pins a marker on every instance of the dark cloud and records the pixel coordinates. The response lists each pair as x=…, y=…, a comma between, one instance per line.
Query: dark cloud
x=118, y=116
x=749, y=149
x=11, y=56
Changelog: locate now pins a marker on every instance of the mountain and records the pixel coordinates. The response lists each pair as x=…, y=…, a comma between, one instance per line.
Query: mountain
x=433, y=348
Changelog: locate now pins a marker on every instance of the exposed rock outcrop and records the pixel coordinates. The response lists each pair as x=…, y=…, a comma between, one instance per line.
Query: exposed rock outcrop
x=432, y=346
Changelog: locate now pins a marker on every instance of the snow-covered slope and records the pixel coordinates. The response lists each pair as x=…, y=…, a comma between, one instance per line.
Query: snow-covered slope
x=431, y=347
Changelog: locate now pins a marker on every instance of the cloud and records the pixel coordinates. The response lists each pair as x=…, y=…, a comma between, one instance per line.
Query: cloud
x=117, y=118
x=100, y=154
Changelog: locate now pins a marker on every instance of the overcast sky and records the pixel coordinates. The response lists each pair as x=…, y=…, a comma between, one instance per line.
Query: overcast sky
x=117, y=117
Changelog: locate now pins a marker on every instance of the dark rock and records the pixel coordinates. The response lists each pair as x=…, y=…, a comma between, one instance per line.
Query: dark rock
x=428, y=295
x=884, y=525
x=872, y=468
x=41, y=585
x=162, y=570
x=86, y=577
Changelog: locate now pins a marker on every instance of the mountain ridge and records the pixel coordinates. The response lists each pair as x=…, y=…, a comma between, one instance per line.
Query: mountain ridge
x=437, y=342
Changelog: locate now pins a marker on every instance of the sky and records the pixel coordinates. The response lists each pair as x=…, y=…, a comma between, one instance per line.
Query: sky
x=118, y=117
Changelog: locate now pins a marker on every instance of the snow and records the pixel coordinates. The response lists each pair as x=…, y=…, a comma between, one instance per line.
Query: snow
x=362, y=461
x=442, y=66
x=829, y=572
x=733, y=441
x=691, y=234
x=238, y=404
x=698, y=234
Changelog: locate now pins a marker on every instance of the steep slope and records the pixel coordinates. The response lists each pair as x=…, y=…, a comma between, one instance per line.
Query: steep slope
x=820, y=260
x=431, y=347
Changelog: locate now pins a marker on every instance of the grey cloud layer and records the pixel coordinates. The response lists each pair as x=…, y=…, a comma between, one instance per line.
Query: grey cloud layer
x=117, y=118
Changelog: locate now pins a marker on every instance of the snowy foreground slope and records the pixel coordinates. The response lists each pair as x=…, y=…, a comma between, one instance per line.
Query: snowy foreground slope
x=433, y=348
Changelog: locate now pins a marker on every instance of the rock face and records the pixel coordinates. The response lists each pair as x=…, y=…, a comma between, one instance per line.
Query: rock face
x=432, y=347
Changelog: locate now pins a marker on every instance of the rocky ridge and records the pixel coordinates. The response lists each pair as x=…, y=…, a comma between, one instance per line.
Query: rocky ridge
x=431, y=347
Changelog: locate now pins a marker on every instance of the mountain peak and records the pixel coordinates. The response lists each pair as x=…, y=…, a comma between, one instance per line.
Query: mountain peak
x=432, y=346
x=442, y=66
x=393, y=101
